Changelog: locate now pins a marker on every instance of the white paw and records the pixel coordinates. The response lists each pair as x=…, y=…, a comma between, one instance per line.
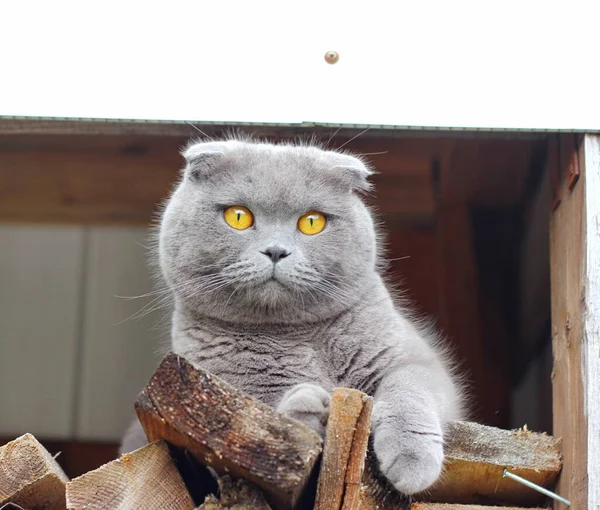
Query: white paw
x=308, y=403
x=410, y=455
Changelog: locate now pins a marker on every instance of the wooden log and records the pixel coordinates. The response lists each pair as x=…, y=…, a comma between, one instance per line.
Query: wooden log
x=240, y=495
x=228, y=430
x=476, y=456
x=30, y=477
x=145, y=478
x=345, y=449
x=451, y=506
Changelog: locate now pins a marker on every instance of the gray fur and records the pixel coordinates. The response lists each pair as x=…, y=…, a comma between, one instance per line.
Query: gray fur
x=288, y=333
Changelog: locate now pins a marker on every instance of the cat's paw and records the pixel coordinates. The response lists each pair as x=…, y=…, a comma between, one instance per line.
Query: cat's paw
x=308, y=403
x=410, y=455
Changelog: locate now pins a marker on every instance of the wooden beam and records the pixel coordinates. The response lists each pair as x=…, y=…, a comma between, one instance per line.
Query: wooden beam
x=145, y=478
x=29, y=476
x=228, y=430
x=345, y=450
x=575, y=284
x=476, y=456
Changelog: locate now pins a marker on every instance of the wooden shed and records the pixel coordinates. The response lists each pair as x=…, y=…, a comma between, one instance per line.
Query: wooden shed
x=493, y=222
x=491, y=233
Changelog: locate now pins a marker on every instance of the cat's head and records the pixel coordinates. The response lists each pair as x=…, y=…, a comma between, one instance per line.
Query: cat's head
x=259, y=233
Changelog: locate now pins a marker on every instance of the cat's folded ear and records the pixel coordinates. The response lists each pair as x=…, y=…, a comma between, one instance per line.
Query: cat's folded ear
x=351, y=171
x=202, y=159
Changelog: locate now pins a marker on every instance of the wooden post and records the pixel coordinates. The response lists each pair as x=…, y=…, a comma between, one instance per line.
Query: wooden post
x=145, y=478
x=228, y=430
x=345, y=450
x=29, y=476
x=575, y=284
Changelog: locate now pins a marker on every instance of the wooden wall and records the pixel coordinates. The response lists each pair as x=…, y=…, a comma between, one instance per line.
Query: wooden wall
x=74, y=211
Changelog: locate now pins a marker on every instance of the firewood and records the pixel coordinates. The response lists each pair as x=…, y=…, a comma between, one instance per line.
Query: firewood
x=476, y=456
x=451, y=506
x=240, y=495
x=344, y=453
x=146, y=478
x=30, y=477
x=228, y=430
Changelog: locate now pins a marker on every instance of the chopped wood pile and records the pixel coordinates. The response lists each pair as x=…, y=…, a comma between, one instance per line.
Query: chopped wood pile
x=213, y=447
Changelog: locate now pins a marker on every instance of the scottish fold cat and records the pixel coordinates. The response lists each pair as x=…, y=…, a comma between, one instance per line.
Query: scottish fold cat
x=273, y=261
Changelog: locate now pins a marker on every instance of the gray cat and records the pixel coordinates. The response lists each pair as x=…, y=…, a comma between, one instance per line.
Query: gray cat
x=272, y=258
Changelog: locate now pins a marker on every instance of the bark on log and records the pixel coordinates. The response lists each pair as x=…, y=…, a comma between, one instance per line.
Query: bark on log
x=143, y=479
x=228, y=430
x=30, y=477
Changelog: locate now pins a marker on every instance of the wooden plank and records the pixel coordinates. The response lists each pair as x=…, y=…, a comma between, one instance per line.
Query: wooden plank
x=120, y=177
x=145, y=478
x=476, y=456
x=228, y=430
x=119, y=339
x=450, y=506
x=575, y=280
x=591, y=318
x=40, y=304
x=30, y=477
x=90, y=186
x=345, y=450
x=567, y=266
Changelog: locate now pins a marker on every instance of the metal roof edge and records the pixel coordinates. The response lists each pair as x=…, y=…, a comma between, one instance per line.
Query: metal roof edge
x=185, y=125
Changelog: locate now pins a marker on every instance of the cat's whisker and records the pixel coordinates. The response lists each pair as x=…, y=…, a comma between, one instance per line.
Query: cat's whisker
x=353, y=138
x=332, y=136
x=201, y=132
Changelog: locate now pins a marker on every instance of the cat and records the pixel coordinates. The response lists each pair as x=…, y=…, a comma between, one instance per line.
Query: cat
x=273, y=261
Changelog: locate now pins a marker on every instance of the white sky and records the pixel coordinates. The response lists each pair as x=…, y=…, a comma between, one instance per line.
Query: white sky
x=507, y=63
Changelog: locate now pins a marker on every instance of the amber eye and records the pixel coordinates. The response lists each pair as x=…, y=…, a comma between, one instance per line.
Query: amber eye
x=238, y=217
x=312, y=223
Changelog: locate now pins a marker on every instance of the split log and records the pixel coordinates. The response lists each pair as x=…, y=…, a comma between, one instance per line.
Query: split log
x=228, y=430
x=240, y=495
x=345, y=450
x=476, y=456
x=145, y=478
x=444, y=506
x=30, y=477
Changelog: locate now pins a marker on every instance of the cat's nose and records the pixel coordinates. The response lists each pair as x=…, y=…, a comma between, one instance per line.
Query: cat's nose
x=276, y=253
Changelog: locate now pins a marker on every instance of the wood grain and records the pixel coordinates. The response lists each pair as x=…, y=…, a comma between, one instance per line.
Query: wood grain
x=567, y=274
x=591, y=318
x=451, y=506
x=476, y=456
x=71, y=174
x=575, y=277
x=228, y=430
x=30, y=477
x=345, y=450
x=146, y=478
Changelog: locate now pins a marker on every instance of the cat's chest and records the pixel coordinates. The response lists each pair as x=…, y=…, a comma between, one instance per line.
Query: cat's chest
x=264, y=363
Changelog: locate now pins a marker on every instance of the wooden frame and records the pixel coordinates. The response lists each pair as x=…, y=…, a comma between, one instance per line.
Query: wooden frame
x=575, y=280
